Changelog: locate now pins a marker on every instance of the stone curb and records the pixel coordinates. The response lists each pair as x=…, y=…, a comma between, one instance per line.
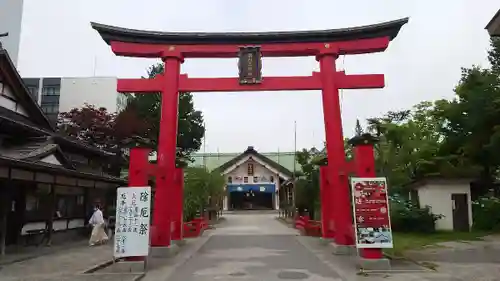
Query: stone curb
x=99, y=266
x=9, y=262
x=391, y=257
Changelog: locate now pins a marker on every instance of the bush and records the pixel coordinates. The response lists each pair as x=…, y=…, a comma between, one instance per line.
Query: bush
x=486, y=214
x=407, y=217
x=199, y=186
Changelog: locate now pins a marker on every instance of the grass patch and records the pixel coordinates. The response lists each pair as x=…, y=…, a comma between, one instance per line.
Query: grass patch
x=412, y=241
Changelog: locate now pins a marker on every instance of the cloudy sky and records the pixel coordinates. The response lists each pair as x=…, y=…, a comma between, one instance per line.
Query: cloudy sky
x=422, y=63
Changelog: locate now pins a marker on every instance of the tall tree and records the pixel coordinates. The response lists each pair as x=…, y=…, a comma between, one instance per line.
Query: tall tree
x=358, y=129
x=191, y=128
x=100, y=128
x=494, y=54
x=472, y=125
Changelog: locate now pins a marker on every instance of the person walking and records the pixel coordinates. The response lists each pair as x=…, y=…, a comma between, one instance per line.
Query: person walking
x=97, y=222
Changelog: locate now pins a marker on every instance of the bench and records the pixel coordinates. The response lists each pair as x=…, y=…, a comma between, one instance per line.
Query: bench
x=31, y=235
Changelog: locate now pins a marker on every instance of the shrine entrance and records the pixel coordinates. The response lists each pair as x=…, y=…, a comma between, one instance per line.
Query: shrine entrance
x=325, y=45
x=250, y=200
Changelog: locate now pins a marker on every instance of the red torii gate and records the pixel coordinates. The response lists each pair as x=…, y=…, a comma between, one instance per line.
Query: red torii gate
x=325, y=45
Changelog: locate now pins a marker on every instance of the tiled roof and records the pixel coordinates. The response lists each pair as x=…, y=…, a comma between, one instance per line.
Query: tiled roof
x=35, y=149
x=32, y=148
x=50, y=168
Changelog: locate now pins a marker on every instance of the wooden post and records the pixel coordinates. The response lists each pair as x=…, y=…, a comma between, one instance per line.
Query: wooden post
x=51, y=211
x=4, y=199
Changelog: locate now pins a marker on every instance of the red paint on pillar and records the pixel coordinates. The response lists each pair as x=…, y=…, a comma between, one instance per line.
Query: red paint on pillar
x=365, y=168
x=138, y=175
x=327, y=223
x=167, y=144
x=340, y=198
x=177, y=212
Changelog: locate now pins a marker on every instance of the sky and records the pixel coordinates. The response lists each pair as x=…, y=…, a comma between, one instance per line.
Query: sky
x=422, y=63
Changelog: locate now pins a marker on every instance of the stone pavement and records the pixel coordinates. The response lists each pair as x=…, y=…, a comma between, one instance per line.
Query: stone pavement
x=61, y=265
x=253, y=246
x=465, y=260
x=256, y=246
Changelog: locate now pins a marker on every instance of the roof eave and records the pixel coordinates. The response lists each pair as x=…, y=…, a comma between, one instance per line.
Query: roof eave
x=20, y=86
x=119, y=34
x=18, y=163
x=493, y=27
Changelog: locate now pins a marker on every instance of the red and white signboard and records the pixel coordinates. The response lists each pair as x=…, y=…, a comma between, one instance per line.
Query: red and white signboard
x=371, y=213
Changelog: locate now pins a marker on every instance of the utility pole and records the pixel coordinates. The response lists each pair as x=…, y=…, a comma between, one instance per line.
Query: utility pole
x=205, y=147
x=294, y=164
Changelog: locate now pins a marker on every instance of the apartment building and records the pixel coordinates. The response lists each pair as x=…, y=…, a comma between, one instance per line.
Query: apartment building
x=61, y=94
x=11, y=14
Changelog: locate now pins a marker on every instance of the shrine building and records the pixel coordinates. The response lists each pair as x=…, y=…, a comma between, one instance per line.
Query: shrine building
x=255, y=181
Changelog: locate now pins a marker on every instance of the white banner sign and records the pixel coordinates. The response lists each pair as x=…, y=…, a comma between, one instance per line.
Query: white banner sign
x=133, y=207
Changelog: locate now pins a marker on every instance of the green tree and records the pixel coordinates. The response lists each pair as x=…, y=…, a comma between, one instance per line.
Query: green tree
x=494, y=54
x=199, y=186
x=191, y=128
x=358, y=129
x=307, y=186
x=472, y=125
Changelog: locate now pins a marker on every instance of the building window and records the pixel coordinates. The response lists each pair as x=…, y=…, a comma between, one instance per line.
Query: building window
x=271, y=179
x=51, y=91
x=250, y=169
x=50, y=108
x=245, y=179
x=229, y=179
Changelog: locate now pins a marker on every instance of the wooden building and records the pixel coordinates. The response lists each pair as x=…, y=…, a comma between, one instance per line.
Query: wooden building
x=254, y=181
x=48, y=183
x=493, y=26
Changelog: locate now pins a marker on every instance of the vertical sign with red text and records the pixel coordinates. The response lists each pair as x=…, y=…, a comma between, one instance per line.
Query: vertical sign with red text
x=371, y=213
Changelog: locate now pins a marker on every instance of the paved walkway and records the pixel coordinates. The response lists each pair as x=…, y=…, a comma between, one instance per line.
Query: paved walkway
x=253, y=246
x=61, y=265
x=249, y=246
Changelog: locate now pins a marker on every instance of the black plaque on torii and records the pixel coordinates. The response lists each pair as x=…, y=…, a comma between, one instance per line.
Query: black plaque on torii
x=250, y=65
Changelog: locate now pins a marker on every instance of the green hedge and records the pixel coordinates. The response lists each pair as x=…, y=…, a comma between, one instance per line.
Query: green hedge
x=486, y=214
x=406, y=217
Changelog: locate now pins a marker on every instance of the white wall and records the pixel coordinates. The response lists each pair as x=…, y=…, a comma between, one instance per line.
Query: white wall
x=438, y=197
x=98, y=91
x=11, y=12
x=259, y=171
x=263, y=177
x=9, y=101
x=51, y=159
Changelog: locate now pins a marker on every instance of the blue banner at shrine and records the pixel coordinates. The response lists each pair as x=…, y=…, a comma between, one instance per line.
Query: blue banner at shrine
x=267, y=188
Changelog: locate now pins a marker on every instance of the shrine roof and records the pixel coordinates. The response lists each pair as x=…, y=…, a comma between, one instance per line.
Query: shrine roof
x=250, y=151
x=113, y=33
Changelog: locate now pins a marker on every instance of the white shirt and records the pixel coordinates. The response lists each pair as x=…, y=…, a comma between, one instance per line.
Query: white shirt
x=97, y=218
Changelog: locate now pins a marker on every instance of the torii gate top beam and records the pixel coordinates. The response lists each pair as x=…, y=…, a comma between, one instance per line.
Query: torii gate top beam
x=353, y=40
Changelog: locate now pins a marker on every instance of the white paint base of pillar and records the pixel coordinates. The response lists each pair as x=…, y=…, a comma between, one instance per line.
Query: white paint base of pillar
x=164, y=252
x=374, y=264
x=343, y=250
